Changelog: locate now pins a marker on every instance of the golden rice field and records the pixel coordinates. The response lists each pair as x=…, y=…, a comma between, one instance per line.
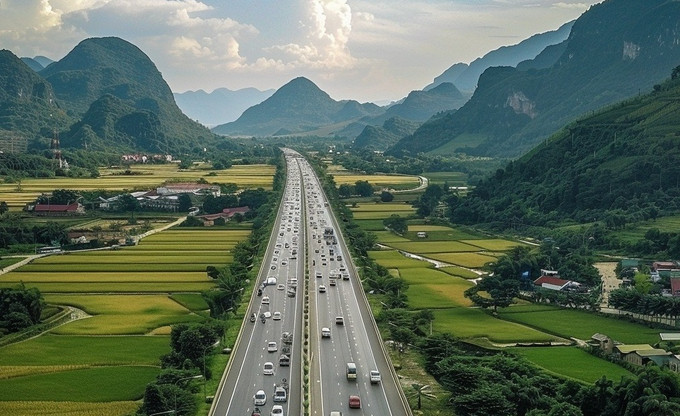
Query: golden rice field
x=471, y=260
x=151, y=176
x=383, y=207
x=376, y=180
x=36, y=408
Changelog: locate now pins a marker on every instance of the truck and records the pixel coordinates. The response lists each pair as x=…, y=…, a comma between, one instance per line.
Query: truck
x=281, y=392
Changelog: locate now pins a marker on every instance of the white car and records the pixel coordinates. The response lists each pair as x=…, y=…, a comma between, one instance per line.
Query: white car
x=277, y=410
x=325, y=333
x=276, y=316
x=375, y=376
x=260, y=398
x=272, y=347
x=322, y=289
x=268, y=368
x=281, y=286
x=265, y=300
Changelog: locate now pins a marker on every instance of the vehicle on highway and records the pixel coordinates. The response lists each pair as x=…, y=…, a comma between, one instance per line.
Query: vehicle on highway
x=253, y=317
x=256, y=412
x=271, y=281
x=268, y=368
x=260, y=398
x=265, y=300
x=325, y=333
x=319, y=275
x=339, y=320
x=354, y=402
x=351, y=371
x=374, y=376
x=332, y=282
x=284, y=360
x=322, y=289
x=335, y=413
x=272, y=346
x=281, y=392
x=277, y=410
x=276, y=316
x=281, y=286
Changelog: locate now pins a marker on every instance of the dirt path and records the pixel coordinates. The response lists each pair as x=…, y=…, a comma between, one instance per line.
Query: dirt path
x=609, y=280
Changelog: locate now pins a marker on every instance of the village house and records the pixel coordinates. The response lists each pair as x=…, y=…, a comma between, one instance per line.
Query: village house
x=675, y=287
x=226, y=214
x=55, y=210
x=642, y=354
x=603, y=342
x=189, y=188
x=555, y=283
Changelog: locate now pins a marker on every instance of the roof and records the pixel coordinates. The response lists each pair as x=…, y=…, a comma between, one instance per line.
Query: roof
x=628, y=348
x=600, y=337
x=237, y=210
x=551, y=280
x=56, y=208
x=670, y=336
x=652, y=352
x=664, y=265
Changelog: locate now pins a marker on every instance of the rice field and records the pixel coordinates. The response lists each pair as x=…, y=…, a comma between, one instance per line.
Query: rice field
x=51, y=408
x=433, y=289
x=149, y=176
x=395, y=181
x=560, y=361
x=393, y=259
x=469, y=260
x=134, y=295
x=425, y=247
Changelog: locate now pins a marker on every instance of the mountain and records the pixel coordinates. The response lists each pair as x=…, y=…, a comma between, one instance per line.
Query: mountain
x=465, y=77
x=381, y=138
x=28, y=109
x=99, y=67
x=615, y=164
x=615, y=50
x=220, y=106
x=421, y=105
x=297, y=107
x=33, y=64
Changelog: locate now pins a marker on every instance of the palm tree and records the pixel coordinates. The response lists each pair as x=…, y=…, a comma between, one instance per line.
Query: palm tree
x=420, y=391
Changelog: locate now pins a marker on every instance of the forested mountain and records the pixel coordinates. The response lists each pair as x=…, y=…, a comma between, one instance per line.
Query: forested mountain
x=220, y=106
x=465, y=77
x=100, y=67
x=28, y=108
x=382, y=137
x=421, y=105
x=297, y=107
x=613, y=166
x=615, y=50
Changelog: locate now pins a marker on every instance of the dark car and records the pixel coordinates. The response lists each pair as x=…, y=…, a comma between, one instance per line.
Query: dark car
x=354, y=402
x=256, y=412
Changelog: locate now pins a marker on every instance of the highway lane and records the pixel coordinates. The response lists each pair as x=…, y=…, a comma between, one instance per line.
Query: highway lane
x=354, y=342
x=284, y=260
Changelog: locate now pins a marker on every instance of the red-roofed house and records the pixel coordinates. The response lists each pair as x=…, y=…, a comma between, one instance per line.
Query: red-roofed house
x=53, y=210
x=555, y=283
x=227, y=214
x=189, y=188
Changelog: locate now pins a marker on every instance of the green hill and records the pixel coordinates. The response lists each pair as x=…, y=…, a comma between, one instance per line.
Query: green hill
x=615, y=50
x=618, y=163
x=100, y=67
x=28, y=109
x=380, y=138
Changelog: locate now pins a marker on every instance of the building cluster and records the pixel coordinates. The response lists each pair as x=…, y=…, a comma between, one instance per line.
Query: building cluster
x=144, y=158
x=551, y=280
x=640, y=354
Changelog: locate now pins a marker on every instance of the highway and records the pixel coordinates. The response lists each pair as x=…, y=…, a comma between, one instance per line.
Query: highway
x=306, y=229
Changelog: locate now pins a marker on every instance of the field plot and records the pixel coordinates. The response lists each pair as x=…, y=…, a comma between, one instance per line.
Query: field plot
x=471, y=260
x=493, y=244
x=582, y=325
x=393, y=181
x=135, y=294
x=425, y=247
x=473, y=323
x=460, y=272
x=370, y=225
x=560, y=361
x=393, y=259
x=389, y=237
x=432, y=289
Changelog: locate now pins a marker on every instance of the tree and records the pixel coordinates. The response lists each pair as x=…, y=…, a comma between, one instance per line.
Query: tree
x=363, y=188
x=128, y=203
x=396, y=223
x=3, y=207
x=487, y=400
x=386, y=196
x=419, y=391
x=184, y=201
x=345, y=190
x=501, y=292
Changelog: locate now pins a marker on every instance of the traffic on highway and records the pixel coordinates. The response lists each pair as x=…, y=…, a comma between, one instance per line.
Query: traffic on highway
x=349, y=371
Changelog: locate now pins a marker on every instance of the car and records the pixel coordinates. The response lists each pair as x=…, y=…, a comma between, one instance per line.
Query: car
x=268, y=368
x=354, y=402
x=277, y=410
x=319, y=275
x=260, y=398
x=276, y=316
x=272, y=347
x=265, y=300
x=273, y=267
x=322, y=289
x=339, y=320
x=284, y=262
x=374, y=376
x=256, y=412
x=325, y=333
x=332, y=282
x=280, y=286
x=335, y=413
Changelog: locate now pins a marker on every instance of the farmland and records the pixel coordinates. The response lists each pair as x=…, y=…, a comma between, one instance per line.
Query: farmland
x=128, y=298
x=140, y=177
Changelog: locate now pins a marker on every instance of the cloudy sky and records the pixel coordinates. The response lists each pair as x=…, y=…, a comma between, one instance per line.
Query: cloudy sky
x=369, y=50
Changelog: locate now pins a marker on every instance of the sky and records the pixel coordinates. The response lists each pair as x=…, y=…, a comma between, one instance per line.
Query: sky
x=367, y=50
